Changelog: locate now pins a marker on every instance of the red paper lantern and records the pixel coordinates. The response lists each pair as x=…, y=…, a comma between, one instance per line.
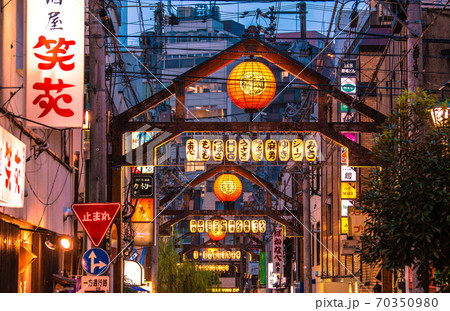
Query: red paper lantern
x=227, y=188
x=251, y=85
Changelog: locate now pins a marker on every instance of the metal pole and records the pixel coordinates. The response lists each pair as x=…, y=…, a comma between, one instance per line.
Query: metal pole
x=307, y=228
x=415, y=73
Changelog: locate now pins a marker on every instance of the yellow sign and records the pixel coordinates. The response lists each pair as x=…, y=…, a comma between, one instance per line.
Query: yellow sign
x=348, y=190
x=344, y=225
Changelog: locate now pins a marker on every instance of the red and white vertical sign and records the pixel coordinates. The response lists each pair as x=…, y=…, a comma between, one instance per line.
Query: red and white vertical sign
x=12, y=170
x=277, y=250
x=55, y=62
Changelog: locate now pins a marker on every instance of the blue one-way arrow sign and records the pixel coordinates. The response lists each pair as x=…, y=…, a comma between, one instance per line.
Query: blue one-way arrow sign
x=95, y=261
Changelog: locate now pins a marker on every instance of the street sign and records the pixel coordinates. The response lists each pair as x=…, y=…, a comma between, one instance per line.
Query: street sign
x=142, y=186
x=95, y=261
x=94, y=284
x=96, y=218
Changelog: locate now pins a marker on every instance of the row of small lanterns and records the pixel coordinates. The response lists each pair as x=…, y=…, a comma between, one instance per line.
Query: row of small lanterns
x=284, y=150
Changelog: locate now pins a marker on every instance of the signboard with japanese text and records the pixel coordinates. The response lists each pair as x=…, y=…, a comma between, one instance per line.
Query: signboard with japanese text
x=94, y=284
x=142, y=222
x=55, y=63
x=348, y=173
x=253, y=267
x=96, y=218
x=357, y=222
x=345, y=204
x=348, y=190
x=277, y=251
x=12, y=170
x=142, y=186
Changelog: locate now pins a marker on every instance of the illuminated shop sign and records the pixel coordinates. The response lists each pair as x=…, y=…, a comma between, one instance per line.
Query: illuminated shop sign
x=55, y=62
x=12, y=170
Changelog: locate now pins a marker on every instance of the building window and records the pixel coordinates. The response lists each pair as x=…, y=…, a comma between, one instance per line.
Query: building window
x=209, y=186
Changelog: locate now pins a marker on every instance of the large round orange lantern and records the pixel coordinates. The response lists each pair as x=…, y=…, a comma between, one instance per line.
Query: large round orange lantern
x=227, y=188
x=218, y=231
x=251, y=85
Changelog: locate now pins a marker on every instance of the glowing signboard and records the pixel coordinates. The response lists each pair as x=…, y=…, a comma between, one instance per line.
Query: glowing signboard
x=55, y=63
x=12, y=170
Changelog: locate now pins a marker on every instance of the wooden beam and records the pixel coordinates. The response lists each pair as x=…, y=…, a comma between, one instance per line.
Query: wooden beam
x=251, y=127
x=357, y=155
x=235, y=213
x=357, y=105
x=145, y=105
x=180, y=100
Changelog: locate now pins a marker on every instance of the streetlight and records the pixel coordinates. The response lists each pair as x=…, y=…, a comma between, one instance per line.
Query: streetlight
x=440, y=113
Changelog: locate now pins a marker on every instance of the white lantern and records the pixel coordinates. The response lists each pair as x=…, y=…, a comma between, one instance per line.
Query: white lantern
x=239, y=226
x=262, y=226
x=310, y=150
x=297, y=150
x=193, y=225
x=217, y=150
x=255, y=226
x=191, y=150
x=231, y=149
x=231, y=226
x=204, y=150
x=200, y=225
x=247, y=226
x=257, y=150
x=271, y=150
x=244, y=150
x=284, y=150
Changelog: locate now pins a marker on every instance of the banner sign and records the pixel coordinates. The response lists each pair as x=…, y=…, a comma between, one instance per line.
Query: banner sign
x=12, y=170
x=277, y=250
x=55, y=63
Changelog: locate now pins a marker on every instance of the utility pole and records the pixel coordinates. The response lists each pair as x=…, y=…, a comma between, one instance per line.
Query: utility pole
x=98, y=112
x=415, y=73
x=301, y=6
x=307, y=228
x=415, y=55
x=97, y=105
